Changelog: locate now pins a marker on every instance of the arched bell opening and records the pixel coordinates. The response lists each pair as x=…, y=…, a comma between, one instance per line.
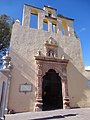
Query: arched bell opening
x=52, y=91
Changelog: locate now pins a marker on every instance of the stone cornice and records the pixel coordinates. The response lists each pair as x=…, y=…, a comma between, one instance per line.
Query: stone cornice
x=51, y=59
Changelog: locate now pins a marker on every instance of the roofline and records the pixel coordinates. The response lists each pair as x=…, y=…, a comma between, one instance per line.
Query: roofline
x=40, y=8
x=50, y=17
x=33, y=6
x=65, y=17
x=50, y=7
x=59, y=15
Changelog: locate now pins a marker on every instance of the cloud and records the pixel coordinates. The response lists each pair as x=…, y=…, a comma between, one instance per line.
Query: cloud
x=87, y=67
x=81, y=30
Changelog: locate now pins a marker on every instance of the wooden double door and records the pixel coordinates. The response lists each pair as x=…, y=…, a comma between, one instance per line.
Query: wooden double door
x=52, y=91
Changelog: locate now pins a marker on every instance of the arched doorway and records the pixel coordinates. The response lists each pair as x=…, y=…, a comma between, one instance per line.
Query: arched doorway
x=52, y=91
x=54, y=66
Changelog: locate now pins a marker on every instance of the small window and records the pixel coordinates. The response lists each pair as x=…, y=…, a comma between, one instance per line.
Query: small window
x=45, y=26
x=33, y=21
x=54, y=28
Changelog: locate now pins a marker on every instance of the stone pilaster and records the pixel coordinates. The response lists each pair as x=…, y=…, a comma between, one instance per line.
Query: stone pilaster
x=49, y=26
x=66, y=101
x=59, y=26
x=66, y=31
x=26, y=16
x=38, y=104
x=71, y=31
x=71, y=28
x=40, y=20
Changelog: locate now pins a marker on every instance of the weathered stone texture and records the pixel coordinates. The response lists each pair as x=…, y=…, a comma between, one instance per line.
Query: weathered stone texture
x=25, y=43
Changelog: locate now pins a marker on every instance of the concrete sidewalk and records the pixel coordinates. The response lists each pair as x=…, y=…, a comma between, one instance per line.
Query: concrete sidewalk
x=69, y=114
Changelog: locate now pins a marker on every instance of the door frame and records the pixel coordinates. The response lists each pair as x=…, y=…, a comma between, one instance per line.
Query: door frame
x=43, y=64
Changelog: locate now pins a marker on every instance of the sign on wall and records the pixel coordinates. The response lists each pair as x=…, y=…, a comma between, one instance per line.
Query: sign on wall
x=25, y=88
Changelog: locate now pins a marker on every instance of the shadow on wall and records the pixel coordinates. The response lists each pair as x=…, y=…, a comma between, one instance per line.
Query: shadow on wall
x=61, y=53
x=77, y=87
x=24, y=66
x=22, y=74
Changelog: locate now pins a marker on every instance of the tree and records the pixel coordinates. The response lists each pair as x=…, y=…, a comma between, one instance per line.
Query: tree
x=6, y=23
x=5, y=30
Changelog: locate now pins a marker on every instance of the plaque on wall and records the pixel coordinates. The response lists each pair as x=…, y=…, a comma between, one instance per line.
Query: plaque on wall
x=25, y=87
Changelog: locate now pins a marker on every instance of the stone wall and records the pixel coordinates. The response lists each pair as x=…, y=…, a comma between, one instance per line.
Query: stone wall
x=25, y=43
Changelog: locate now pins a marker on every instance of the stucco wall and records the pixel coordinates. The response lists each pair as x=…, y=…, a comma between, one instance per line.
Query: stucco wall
x=25, y=42
x=22, y=73
x=79, y=91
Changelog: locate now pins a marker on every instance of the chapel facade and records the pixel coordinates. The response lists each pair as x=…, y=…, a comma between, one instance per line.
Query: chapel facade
x=44, y=69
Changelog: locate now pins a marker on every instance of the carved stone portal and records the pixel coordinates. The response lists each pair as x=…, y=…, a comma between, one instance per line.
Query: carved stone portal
x=43, y=65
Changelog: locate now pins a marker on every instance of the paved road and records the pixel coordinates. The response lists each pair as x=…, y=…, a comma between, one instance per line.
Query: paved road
x=69, y=114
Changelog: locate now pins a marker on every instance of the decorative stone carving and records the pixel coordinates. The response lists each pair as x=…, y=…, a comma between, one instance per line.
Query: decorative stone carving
x=6, y=61
x=38, y=104
x=62, y=57
x=43, y=65
x=51, y=47
x=52, y=42
x=66, y=103
x=51, y=53
x=10, y=66
x=17, y=21
x=66, y=100
x=39, y=53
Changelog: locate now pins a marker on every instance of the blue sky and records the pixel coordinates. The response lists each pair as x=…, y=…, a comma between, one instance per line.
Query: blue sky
x=77, y=9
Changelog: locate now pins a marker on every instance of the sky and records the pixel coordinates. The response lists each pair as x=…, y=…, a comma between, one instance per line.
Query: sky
x=76, y=9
